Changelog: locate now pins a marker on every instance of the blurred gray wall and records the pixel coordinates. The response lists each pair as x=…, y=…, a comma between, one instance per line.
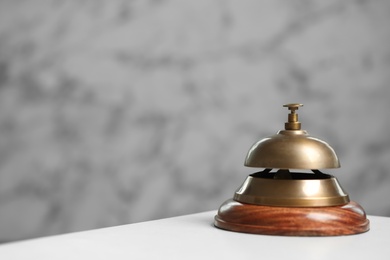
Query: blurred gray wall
x=114, y=112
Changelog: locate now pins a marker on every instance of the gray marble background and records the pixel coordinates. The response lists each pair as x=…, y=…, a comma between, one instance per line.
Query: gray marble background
x=114, y=112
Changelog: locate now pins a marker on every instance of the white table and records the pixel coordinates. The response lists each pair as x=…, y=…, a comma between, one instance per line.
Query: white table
x=195, y=237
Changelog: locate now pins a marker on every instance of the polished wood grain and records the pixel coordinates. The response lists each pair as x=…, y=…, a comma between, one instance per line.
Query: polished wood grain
x=347, y=219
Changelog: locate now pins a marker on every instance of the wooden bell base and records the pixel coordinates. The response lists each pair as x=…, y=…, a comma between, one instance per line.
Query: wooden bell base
x=346, y=219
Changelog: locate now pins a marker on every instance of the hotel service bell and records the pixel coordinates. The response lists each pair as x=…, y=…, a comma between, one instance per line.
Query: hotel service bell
x=279, y=201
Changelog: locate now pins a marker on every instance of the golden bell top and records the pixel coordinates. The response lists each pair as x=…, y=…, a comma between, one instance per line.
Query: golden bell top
x=292, y=148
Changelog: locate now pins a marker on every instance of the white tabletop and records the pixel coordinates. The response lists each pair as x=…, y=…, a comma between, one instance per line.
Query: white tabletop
x=195, y=237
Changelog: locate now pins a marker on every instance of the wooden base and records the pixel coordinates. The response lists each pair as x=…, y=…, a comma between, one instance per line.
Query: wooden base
x=346, y=219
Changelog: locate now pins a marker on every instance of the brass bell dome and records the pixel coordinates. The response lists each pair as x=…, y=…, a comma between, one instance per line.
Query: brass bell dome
x=292, y=148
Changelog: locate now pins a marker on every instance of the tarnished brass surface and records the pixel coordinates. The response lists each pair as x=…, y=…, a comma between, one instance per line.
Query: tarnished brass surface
x=292, y=192
x=292, y=148
x=293, y=123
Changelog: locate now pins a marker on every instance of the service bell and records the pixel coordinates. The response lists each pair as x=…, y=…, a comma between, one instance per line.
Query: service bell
x=277, y=201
